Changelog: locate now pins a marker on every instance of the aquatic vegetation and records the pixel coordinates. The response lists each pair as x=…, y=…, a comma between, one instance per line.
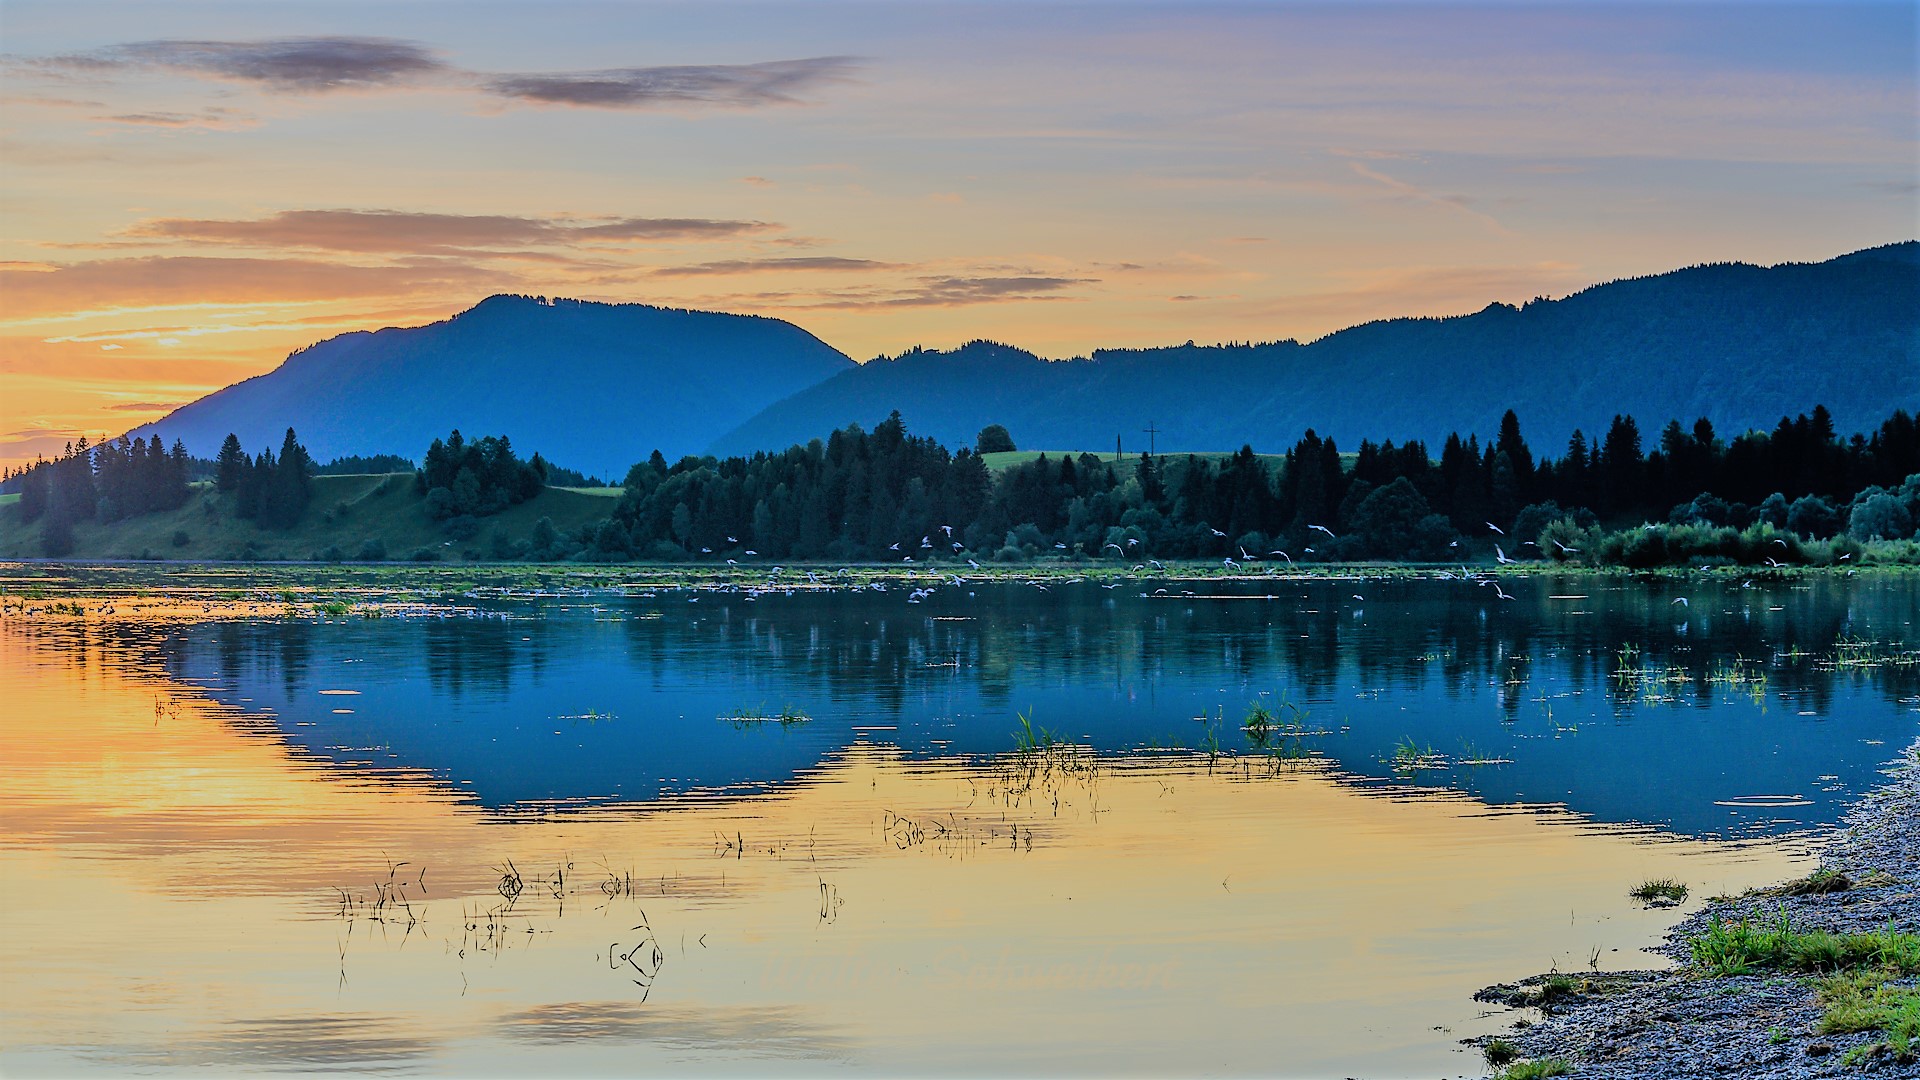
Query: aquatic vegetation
x=1028, y=739
x=1661, y=892
x=1409, y=757
x=1499, y=1052
x=754, y=715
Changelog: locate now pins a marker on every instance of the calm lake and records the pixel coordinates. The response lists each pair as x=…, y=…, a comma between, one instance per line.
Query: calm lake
x=454, y=822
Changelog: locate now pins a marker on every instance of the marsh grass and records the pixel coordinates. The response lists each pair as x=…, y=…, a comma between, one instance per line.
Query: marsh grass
x=1410, y=757
x=755, y=715
x=1029, y=739
x=1660, y=891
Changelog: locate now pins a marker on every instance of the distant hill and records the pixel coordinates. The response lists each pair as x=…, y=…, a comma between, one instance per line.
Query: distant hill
x=1740, y=345
x=591, y=386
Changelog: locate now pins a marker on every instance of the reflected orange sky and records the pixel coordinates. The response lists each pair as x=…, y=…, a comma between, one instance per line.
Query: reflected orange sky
x=191, y=193
x=180, y=877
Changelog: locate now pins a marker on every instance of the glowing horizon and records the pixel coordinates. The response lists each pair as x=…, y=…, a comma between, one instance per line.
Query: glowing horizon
x=192, y=194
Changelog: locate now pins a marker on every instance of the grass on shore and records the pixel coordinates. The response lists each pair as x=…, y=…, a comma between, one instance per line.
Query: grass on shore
x=1864, y=1001
x=345, y=516
x=1536, y=1069
x=1856, y=991
x=1739, y=948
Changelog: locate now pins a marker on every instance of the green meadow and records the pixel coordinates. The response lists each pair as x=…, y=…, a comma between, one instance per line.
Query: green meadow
x=347, y=516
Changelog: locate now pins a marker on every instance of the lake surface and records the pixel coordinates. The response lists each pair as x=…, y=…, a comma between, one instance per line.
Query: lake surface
x=315, y=820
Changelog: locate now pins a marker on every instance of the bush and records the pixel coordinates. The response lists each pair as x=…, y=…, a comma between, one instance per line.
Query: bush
x=1813, y=517
x=1879, y=516
x=424, y=554
x=440, y=504
x=462, y=527
x=374, y=550
x=180, y=538
x=993, y=439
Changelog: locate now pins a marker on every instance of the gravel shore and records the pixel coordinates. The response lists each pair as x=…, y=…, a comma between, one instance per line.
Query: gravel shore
x=1683, y=1023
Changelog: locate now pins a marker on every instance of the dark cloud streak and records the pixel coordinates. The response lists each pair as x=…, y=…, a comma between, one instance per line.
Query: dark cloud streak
x=314, y=65
x=298, y=64
x=741, y=85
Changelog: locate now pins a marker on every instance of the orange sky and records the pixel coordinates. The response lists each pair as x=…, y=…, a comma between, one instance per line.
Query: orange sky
x=190, y=194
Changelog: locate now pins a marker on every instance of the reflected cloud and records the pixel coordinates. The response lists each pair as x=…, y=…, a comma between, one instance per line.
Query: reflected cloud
x=359, y=1041
x=769, y=1032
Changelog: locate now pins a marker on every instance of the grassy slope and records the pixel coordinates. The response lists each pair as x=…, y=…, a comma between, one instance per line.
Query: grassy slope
x=392, y=513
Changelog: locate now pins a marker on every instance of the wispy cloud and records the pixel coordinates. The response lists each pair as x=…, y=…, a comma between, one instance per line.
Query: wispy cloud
x=780, y=82
x=319, y=65
x=110, y=286
x=146, y=406
x=755, y=266
x=923, y=292
x=291, y=64
x=395, y=231
x=205, y=118
x=1419, y=194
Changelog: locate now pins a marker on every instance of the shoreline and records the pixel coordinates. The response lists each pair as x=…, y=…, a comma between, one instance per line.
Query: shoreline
x=1686, y=1022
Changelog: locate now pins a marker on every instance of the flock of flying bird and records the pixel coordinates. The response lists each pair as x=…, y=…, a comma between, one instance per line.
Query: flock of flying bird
x=777, y=580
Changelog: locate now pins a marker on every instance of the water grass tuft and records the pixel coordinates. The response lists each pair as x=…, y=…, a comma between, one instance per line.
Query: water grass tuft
x=1660, y=892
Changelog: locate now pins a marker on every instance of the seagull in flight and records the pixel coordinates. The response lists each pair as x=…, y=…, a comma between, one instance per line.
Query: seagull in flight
x=1323, y=529
x=1215, y=531
x=1496, y=528
x=1682, y=601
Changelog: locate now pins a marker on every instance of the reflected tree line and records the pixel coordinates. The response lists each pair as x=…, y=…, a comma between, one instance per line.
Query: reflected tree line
x=1824, y=638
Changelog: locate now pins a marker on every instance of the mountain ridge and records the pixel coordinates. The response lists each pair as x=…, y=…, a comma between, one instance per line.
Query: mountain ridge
x=631, y=378
x=1718, y=340
x=597, y=385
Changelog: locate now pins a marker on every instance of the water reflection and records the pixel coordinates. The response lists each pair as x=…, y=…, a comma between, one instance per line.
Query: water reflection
x=1600, y=694
x=205, y=843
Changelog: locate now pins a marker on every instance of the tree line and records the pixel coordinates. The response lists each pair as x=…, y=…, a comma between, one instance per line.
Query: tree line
x=114, y=480
x=890, y=495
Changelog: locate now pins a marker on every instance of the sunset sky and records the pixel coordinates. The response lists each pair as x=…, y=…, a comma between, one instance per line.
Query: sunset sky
x=190, y=191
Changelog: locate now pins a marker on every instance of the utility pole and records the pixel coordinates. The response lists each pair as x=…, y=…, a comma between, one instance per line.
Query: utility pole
x=1151, y=432
x=1116, y=447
